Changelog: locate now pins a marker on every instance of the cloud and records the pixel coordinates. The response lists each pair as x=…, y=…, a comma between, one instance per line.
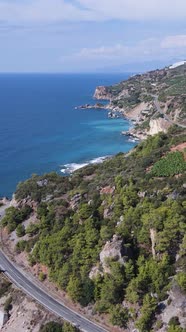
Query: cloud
x=174, y=42
x=90, y=10
x=103, y=51
x=137, y=9
x=143, y=50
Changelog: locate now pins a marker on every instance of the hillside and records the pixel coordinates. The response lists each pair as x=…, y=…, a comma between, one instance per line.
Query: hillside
x=112, y=235
x=153, y=101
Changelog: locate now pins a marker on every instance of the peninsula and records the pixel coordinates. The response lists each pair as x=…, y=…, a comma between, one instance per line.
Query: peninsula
x=152, y=101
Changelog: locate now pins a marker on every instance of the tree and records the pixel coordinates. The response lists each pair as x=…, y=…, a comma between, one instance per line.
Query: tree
x=74, y=288
x=67, y=327
x=20, y=230
x=51, y=327
x=119, y=316
x=42, y=276
x=32, y=229
x=181, y=280
x=147, y=312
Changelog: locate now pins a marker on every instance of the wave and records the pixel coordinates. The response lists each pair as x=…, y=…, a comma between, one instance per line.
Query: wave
x=71, y=168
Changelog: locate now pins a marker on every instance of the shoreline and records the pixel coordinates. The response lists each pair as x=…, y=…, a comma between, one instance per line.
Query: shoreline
x=10, y=186
x=114, y=113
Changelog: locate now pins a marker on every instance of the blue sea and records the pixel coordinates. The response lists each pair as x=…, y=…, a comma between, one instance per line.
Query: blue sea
x=40, y=130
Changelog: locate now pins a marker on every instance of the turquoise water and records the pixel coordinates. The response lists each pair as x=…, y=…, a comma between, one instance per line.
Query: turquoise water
x=40, y=130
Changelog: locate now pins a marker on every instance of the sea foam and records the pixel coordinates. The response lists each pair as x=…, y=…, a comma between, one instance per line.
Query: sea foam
x=70, y=168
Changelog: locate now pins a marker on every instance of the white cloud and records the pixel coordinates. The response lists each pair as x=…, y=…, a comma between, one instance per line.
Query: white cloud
x=174, y=42
x=103, y=51
x=90, y=10
x=144, y=50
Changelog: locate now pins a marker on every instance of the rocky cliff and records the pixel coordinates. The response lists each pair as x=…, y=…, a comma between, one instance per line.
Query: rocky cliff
x=153, y=101
x=158, y=125
x=103, y=93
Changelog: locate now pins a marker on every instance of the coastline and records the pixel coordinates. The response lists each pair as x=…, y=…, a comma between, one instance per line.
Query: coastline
x=57, y=135
x=114, y=112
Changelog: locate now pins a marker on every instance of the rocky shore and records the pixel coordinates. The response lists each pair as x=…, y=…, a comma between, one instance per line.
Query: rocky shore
x=89, y=106
x=150, y=101
x=143, y=115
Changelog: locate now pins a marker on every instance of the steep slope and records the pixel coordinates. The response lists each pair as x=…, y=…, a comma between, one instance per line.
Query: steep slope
x=154, y=100
x=112, y=235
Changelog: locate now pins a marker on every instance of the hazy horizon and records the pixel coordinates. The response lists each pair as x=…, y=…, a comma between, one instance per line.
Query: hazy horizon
x=87, y=36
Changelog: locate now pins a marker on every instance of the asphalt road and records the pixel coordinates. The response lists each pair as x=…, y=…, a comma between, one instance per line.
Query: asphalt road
x=158, y=108
x=23, y=282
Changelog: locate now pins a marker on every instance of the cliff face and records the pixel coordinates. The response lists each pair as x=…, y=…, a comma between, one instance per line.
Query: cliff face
x=102, y=92
x=153, y=100
x=158, y=125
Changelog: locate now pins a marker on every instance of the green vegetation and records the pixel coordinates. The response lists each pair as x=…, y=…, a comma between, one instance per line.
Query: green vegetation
x=20, y=230
x=181, y=279
x=144, y=323
x=15, y=216
x=42, y=276
x=119, y=316
x=56, y=327
x=4, y=286
x=68, y=237
x=177, y=86
x=170, y=165
x=8, y=304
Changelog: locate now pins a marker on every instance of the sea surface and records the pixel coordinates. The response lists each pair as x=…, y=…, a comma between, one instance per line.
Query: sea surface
x=40, y=130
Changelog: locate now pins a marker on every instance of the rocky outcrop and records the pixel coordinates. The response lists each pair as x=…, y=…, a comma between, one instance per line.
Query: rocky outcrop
x=89, y=106
x=102, y=92
x=175, y=306
x=95, y=272
x=14, y=202
x=4, y=201
x=112, y=250
x=158, y=125
x=75, y=200
x=153, y=241
x=3, y=318
x=108, y=190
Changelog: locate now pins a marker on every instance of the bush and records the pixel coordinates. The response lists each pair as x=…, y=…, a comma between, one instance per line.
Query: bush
x=181, y=280
x=51, y=327
x=13, y=217
x=8, y=304
x=119, y=316
x=42, y=276
x=4, y=287
x=20, y=246
x=20, y=230
x=174, y=321
x=32, y=229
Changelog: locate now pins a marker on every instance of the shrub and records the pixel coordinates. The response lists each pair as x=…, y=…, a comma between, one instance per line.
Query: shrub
x=8, y=304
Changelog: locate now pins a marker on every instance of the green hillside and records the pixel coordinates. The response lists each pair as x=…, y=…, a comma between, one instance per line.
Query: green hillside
x=119, y=204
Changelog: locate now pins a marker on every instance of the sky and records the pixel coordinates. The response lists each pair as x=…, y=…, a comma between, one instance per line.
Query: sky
x=91, y=35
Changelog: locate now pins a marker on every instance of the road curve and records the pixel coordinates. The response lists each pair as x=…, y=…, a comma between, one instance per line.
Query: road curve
x=158, y=108
x=23, y=282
